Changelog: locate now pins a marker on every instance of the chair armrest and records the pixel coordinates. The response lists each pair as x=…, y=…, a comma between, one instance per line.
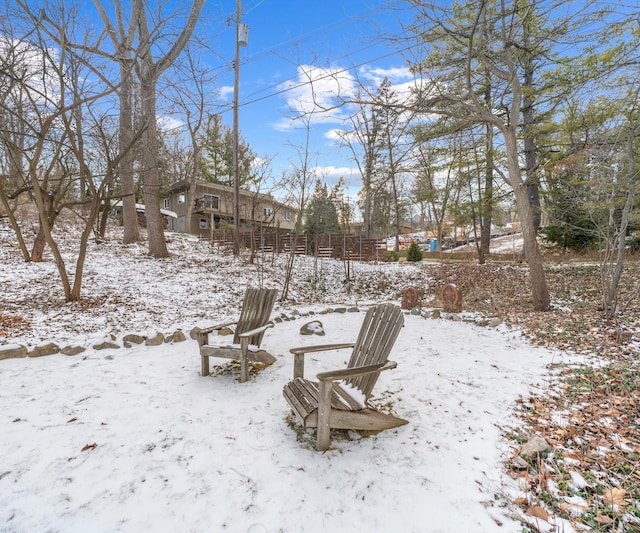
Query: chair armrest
x=347, y=373
x=321, y=348
x=298, y=354
x=209, y=329
x=256, y=331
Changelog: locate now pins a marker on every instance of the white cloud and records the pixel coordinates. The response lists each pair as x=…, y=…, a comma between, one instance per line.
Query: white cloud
x=318, y=94
x=169, y=124
x=331, y=174
x=396, y=75
x=226, y=92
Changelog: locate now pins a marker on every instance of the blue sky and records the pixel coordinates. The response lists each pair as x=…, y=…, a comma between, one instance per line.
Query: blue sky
x=319, y=36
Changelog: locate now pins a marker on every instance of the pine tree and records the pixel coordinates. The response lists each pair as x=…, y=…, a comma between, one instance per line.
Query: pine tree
x=322, y=215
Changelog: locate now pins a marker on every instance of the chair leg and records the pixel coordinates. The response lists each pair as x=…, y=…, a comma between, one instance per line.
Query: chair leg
x=205, y=365
x=244, y=363
x=324, y=415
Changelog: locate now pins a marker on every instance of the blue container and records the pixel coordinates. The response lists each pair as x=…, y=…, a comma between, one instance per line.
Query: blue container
x=433, y=245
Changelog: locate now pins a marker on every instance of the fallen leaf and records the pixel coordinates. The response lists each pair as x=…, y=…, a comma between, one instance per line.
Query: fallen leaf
x=538, y=512
x=5, y=474
x=89, y=447
x=614, y=496
x=603, y=520
x=71, y=420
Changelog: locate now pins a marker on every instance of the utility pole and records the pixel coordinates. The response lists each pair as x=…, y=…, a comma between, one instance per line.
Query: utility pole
x=241, y=40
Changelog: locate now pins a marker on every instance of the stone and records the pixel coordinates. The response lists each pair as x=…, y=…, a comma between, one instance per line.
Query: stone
x=436, y=313
x=494, y=322
x=312, y=328
x=353, y=310
x=106, y=345
x=518, y=463
x=225, y=331
x=417, y=310
x=133, y=338
x=340, y=310
x=176, y=336
x=13, y=351
x=48, y=348
x=534, y=446
x=156, y=340
x=72, y=350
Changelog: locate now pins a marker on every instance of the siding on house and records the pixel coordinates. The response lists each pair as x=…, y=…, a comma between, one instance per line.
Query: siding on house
x=212, y=205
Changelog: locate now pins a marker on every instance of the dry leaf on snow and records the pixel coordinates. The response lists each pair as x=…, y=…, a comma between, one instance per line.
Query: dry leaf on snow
x=614, y=496
x=538, y=512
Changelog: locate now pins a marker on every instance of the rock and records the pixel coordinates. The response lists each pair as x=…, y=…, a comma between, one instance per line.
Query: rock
x=13, y=351
x=133, y=338
x=48, y=348
x=225, y=331
x=156, y=340
x=194, y=332
x=340, y=310
x=436, y=313
x=417, y=310
x=518, y=463
x=105, y=345
x=484, y=322
x=312, y=328
x=534, y=446
x=353, y=310
x=494, y=322
x=72, y=350
x=178, y=336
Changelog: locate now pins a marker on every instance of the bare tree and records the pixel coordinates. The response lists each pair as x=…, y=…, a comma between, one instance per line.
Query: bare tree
x=298, y=181
x=149, y=70
x=122, y=38
x=457, y=94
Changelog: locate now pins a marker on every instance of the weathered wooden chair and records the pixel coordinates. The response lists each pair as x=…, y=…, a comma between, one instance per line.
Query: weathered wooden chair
x=249, y=330
x=325, y=404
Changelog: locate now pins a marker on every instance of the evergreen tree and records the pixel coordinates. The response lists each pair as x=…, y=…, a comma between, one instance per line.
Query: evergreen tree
x=322, y=215
x=414, y=253
x=217, y=158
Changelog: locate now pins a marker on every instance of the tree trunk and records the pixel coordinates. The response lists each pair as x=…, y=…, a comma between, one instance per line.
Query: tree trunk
x=14, y=224
x=537, y=278
x=150, y=172
x=125, y=168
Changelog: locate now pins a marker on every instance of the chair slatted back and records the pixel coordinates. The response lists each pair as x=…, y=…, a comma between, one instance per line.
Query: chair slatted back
x=256, y=310
x=378, y=333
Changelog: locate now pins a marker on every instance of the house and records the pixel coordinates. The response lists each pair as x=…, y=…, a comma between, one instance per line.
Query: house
x=212, y=207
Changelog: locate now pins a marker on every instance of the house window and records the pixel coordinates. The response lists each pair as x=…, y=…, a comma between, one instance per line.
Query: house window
x=286, y=215
x=182, y=197
x=267, y=212
x=167, y=203
x=211, y=201
x=203, y=223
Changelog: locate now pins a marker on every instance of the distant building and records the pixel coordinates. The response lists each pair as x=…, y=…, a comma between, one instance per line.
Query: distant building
x=212, y=205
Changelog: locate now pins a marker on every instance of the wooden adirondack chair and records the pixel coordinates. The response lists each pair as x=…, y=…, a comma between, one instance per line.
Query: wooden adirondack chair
x=250, y=328
x=325, y=404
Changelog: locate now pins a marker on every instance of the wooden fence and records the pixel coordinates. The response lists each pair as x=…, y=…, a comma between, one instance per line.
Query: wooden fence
x=335, y=246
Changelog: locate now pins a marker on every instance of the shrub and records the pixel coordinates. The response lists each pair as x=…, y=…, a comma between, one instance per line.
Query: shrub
x=414, y=254
x=391, y=256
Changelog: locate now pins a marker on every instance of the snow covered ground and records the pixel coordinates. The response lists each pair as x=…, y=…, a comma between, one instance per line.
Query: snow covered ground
x=134, y=439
